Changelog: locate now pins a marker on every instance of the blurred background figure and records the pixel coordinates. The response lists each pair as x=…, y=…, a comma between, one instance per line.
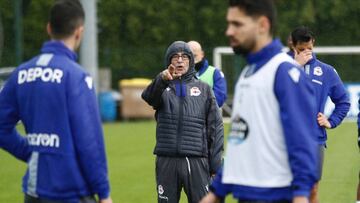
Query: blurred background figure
x=214, y=77
x=55, y=100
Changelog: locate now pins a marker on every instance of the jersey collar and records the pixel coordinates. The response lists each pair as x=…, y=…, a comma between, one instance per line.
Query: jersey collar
x=260, y=58
x=58, y=48
x=203, y=68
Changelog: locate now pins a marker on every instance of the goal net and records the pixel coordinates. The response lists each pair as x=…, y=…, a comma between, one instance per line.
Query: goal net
x=345, y=59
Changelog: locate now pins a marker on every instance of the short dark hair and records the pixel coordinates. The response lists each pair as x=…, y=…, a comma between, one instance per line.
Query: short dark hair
x=65, y=16
x=301, y=34
x=256, y=8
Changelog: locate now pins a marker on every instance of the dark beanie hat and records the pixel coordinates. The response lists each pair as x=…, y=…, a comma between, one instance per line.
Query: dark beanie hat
x=176, y=47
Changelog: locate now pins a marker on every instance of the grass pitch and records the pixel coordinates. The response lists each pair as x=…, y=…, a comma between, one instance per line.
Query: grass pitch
x=130, y=145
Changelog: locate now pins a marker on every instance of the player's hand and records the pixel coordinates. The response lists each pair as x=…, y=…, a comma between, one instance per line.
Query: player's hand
x=107, y=200
x=210, y=198
x=323, y=121
x=300, y=199
x=170, y=73
x=303, y=57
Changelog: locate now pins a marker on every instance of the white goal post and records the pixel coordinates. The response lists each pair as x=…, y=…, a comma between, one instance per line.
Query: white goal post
x=353, y=88
x=330, y=50
x=5, y=72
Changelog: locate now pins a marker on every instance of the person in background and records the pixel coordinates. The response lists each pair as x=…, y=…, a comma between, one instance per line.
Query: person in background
x=290, y=46
x=205, y=72
x=271, y=153
x=55, y=100
x=326, y=83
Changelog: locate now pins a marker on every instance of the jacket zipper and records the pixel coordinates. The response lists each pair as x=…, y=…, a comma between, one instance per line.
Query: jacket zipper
x=180, y=120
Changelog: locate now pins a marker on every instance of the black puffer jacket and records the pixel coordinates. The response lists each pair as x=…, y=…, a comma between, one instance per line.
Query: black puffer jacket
x=188, y=118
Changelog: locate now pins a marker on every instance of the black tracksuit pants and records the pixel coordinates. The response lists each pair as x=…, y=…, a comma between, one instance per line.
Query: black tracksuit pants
x=175, y=173
x=30, y=199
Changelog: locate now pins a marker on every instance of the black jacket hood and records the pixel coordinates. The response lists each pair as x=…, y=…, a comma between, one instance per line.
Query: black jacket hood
x=181, y=46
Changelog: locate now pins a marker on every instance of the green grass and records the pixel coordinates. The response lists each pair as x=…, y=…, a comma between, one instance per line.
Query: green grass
x=132, y=171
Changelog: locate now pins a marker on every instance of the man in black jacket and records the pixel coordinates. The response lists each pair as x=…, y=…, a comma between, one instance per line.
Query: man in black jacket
x=189, y=131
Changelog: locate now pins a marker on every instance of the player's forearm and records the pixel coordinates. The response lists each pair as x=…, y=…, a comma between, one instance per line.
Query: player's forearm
x=303, y=166
x=220, y=98
x=339, y=114
x=301, y=188
x=218, y=188
x=15, y=144
x=302, y=153
x=336, y=120
x=300, y=143
x=89, y=144
x=95, y=172
x=220, y=89
x=103, y=191
x=340, y=98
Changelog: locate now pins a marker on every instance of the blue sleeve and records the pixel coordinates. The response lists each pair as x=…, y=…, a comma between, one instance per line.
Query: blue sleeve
x=339, y=97
x=298, y=116
x=219, y=88
x=10, y=139
x=218, y=188
x=88, y=136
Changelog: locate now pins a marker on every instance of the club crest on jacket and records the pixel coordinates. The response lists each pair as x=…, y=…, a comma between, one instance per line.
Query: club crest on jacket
x=195, y=91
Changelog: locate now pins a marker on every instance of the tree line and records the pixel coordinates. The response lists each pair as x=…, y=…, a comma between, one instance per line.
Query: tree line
x=133, y=34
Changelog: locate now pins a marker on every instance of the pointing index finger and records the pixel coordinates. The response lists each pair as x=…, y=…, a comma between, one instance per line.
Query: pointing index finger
x=171, y=69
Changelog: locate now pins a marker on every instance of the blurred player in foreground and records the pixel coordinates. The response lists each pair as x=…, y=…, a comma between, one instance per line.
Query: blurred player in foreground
x=55, y=100
x=271, y=154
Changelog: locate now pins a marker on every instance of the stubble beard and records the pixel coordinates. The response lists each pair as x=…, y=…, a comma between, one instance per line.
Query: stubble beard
x=245, y=48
